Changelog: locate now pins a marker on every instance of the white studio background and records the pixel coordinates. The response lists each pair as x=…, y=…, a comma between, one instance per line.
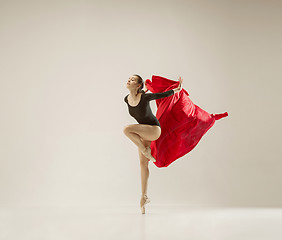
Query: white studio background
x=64, y=67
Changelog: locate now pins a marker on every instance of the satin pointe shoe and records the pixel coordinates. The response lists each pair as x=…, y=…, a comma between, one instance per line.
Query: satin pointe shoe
x=147, y=154
x=142, y=207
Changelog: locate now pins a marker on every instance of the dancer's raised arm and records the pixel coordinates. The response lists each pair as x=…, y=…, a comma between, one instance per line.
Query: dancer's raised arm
x=154, y=96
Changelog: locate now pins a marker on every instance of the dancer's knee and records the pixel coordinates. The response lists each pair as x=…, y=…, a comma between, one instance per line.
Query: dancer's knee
x=126, y=130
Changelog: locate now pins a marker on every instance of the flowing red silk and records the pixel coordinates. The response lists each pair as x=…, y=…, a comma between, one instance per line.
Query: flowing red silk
x=183, y=123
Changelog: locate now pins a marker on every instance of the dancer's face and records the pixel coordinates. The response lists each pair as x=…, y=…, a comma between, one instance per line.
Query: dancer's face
x=132, y=83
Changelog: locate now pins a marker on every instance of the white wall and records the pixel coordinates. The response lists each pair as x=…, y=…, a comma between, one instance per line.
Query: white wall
x=64, y=66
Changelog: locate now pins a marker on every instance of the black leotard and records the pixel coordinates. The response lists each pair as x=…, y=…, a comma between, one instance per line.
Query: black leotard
x=142, y=111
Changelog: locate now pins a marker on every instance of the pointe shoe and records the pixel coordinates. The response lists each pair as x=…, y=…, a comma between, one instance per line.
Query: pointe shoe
x=143, y=206
x=147, y=154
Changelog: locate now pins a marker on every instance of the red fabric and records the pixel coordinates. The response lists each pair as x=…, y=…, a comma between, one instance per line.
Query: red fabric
x=183, y=123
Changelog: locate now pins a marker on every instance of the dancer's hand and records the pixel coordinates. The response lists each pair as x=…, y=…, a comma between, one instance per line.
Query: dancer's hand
x=180, y=83
x=179, y=86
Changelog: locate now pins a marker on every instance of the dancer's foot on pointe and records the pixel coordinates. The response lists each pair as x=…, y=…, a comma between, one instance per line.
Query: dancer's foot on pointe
x=144, y=200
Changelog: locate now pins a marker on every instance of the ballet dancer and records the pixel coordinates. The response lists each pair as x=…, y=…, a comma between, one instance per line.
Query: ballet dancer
x=148, y=128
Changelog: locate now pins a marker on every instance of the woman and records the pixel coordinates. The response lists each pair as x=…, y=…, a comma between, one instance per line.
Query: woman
x=148, y=128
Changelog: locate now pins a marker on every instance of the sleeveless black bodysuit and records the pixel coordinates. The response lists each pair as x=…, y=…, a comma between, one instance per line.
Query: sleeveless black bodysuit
x=142, y=111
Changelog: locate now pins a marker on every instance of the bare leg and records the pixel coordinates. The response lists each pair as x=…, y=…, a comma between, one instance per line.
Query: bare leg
x=134, y=137
x=144, y=169
x=144, y=176
x=136, y=132
x=142, y=135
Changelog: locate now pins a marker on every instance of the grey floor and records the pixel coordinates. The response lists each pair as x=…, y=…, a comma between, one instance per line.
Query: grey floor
x=127, y=222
